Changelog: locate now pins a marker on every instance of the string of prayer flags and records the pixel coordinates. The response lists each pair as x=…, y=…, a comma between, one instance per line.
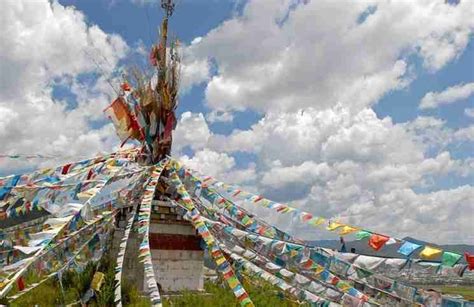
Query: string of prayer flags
x=75, y=221
x=223, y=265
x=376, y=241
x=430, y=253
x=278, y=282
x=144, y=229
x=120, y=260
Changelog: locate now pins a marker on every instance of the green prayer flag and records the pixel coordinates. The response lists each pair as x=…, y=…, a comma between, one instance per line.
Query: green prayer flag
x=362, y=235
x=362, y=273
x=450, y=259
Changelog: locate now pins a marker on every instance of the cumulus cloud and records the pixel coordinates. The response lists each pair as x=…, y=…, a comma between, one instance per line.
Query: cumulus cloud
x=435, y=135
x=219, y=165
x=45, y=45
x=280, y=56
x=450, y=95
x=465, y=134
x=191, y=130
x=342, y=164
x=319, y=144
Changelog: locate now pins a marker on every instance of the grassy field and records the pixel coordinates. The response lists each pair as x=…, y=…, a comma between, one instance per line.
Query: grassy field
x=466, y=291
x=75, y=284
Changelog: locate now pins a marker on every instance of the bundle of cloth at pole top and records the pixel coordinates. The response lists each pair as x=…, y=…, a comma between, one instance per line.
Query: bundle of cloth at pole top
x=72, y=207
x=145, y=107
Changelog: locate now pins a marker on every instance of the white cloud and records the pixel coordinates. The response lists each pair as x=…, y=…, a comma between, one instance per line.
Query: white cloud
x=469, y=112
x=219, y=165
x=192, y=130
x=339, y=163
x=49, y=45
x=465, y=134
x=448, y=96
x=315, y=72
x=272, y=58
x=215, y=117
x=193, y=72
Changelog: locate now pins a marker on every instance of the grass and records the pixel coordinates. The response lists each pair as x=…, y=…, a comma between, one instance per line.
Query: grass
x=76, y=284
x=465, y=291
x=219, y=295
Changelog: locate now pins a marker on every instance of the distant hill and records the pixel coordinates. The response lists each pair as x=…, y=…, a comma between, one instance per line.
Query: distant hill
x=390, y=251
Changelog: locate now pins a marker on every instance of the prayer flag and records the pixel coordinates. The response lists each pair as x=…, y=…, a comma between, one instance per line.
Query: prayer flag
x=450, y=259
x=345, y=230
x=377, y=241
x=430, y=252
x=334, y=225
x=407, y=248
x=470, y=261
x=362, y=235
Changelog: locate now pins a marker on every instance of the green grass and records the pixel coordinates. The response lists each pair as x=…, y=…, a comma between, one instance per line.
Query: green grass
x=466, y=291
x=75, y=285
x=219, y=295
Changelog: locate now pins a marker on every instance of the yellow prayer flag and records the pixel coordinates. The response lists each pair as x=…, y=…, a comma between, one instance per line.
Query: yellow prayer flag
x=233, y=282
x=97, y=281
x=315, y=221
x=430, y=252
x=345, y=230
x=318, y=269
x=334, y=225
x=220, y=260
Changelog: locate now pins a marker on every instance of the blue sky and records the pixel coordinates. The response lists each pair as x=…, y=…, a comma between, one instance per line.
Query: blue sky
x=357, y=110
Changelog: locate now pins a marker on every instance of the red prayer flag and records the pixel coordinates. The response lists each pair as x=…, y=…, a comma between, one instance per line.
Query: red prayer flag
x=21, y=284
x=125, y=86
x=89, y=175
x=306, y=217
x=228, y=274
x=66, y=169
x=470, y=261
x=170, y=120
x=377, y=241
x=153, y=59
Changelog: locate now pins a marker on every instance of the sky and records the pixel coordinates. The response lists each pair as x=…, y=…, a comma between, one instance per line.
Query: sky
x=361, y=111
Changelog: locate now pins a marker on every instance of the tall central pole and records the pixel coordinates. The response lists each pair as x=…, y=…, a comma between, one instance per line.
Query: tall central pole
x=168, y=7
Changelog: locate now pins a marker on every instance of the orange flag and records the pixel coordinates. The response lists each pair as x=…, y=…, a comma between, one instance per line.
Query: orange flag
x=377, y=241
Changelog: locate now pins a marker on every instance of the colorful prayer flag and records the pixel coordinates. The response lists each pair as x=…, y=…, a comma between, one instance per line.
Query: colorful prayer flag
x=377, y=241
x=407, y=248
x=430, y=253
x=450, y=259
